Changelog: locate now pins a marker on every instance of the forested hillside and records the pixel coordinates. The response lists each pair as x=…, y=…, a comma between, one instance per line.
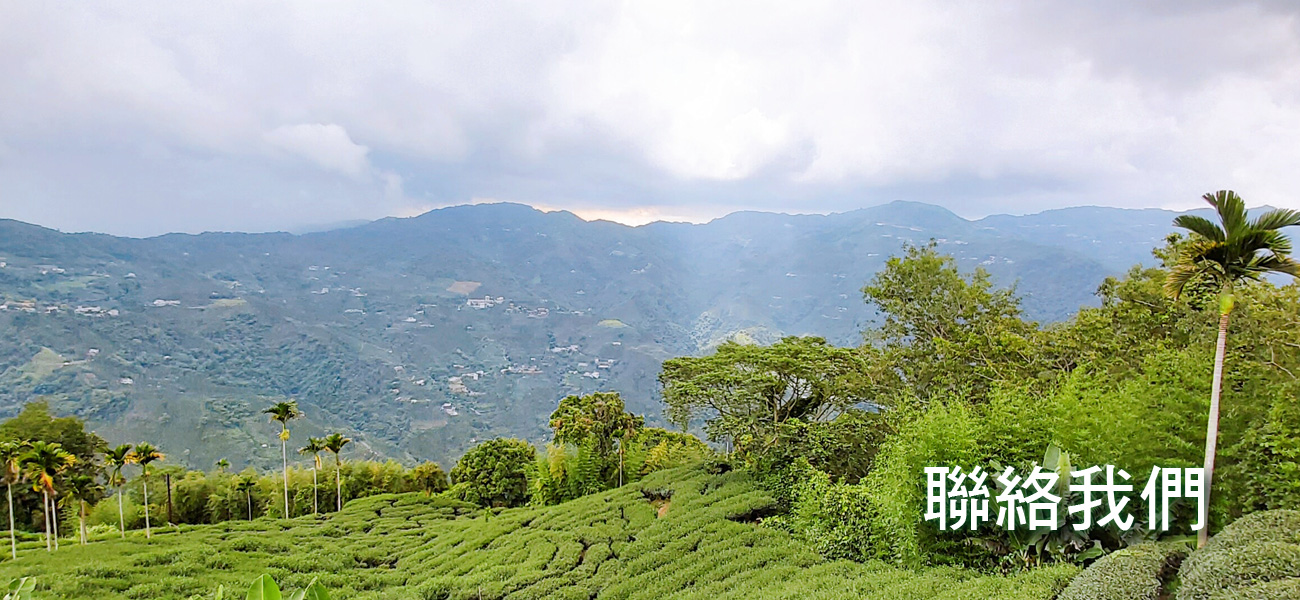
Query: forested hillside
x=422, y=336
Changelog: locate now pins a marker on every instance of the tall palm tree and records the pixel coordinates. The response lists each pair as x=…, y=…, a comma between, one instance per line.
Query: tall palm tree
x=314, y=447
x=44, y=461
x=335, y=442
x=245, y=484
x=282, y=413
x=11, y=455
x=144, y=454
x=116, y=459
x=81, y=488
x=222, y=465
x=1235, y=251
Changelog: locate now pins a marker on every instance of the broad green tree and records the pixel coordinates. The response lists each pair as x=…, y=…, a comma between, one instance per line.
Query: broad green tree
x=116, y=459
x=597, y=419
x=944, y=332
x=145, y=454
x=495, y=473
x=314, y=447
x=744, y=392
x=282, y=413
x=11, y=456
x=44, y=462
x=335, y=442
x=1225, y=255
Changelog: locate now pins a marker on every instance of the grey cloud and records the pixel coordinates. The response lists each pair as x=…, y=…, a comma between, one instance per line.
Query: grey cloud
x=148, y=117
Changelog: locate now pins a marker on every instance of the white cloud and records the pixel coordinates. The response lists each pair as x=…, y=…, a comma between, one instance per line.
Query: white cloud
x=812, y=106
x=327, y=145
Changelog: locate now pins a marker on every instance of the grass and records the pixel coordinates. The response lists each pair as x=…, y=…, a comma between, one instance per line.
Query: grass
x=43, y=364
x=617, y=544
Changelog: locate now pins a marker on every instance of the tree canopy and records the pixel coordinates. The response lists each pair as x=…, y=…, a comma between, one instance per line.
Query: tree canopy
x=746, y=390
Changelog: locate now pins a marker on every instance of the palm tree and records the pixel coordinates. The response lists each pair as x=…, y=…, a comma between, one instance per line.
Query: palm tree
x=11, y=454
x=81, y=488
x=116, y=459
x=335, y=442
x=144, y=454
x=246, y=484
x=1233, y=252
x=222, y=465
x=282, y=413
x=44, y=461
x=314, y=447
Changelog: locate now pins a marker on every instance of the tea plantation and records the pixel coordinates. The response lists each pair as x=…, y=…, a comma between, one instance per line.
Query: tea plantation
x=677, y=534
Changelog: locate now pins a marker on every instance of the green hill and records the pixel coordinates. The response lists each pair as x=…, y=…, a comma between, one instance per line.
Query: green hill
x=420, y=336
x=677, y=534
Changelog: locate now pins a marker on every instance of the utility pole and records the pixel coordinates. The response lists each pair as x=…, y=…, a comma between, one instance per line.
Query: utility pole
x=168, y=478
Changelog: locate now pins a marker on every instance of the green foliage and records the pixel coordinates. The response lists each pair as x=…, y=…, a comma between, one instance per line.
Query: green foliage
x=598, y=418
x=1265, y=465
x=20, y=589
x=567, y=471
x=599, y=426
x=429, y=477
x=1235, y=250
x=77, y=456
x=844, y=448
x=656, y=449
x=1139, y=572
x=611, y=545
x=1239, y=567
x=263, y=588
x=494, y=473
x=945, y=333
x=1256, y=549
x=742, y=391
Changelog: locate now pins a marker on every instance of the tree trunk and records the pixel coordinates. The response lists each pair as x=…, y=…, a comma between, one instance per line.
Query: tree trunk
x=148, y=533
x=284, y=455
x=249, y=493
x=54, y=520
x=167, y=477
x=121, y=516
x=45, y=508
x=338, y=481
x=1212, y=428
x=81, y=517
x=13, y=539
x=315, y=493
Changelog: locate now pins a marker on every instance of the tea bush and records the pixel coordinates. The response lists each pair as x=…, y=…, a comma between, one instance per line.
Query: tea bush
x=706, y=542
x=1258, y=554
x=1135, y=573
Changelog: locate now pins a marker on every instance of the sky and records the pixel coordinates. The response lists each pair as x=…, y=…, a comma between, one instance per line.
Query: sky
x=144, y=117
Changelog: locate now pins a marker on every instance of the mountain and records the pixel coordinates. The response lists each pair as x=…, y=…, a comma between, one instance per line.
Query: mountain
x=420, y=336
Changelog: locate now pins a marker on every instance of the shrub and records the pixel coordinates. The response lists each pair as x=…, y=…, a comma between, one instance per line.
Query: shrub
x=1274, y=526
x=1134, y=573
x=1266, y=526
x=1269, y=590
x=496, y=473
x=1221, y=570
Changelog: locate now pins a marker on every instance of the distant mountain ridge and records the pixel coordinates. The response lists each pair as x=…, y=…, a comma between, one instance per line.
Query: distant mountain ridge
x=421, y=335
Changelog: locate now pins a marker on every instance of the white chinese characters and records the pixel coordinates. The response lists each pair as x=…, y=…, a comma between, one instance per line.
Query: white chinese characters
x=957, y=499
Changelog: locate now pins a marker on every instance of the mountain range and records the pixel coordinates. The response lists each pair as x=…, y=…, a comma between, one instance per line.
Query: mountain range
x=420, y=336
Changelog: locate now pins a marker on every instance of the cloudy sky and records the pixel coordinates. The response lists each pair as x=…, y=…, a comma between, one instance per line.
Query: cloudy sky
x=143, y=117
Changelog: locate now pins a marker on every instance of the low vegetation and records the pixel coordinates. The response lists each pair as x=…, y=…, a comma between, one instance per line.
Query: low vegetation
x=707, y=544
